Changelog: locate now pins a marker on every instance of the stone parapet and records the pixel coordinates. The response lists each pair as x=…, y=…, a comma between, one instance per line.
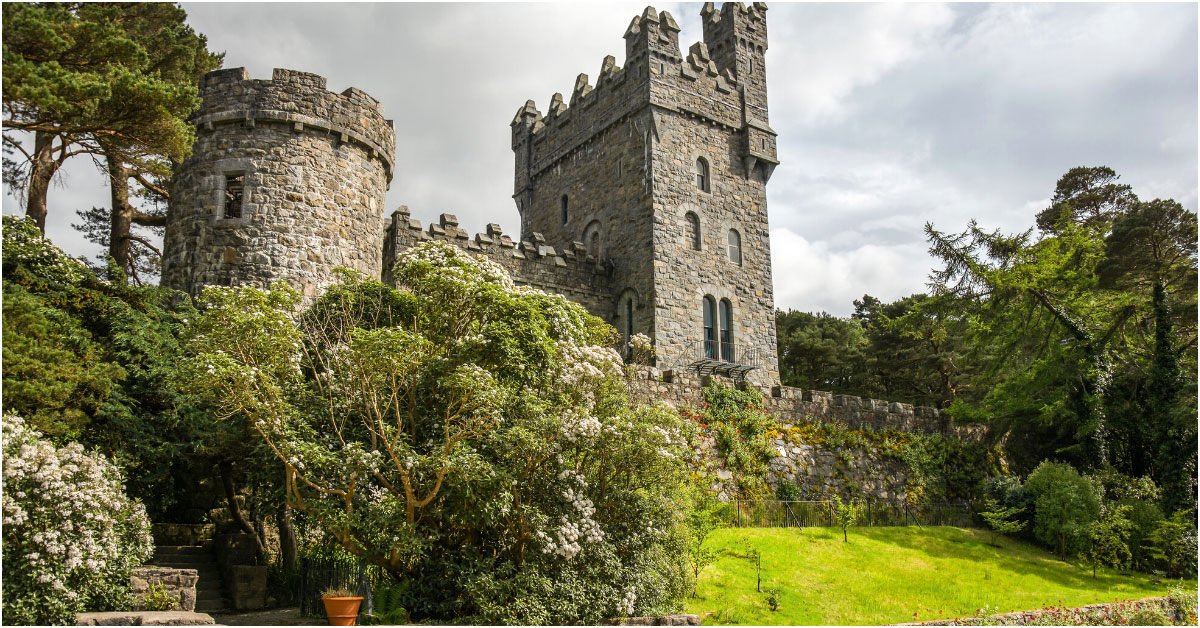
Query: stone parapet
x=565, y=269
x=298, y=99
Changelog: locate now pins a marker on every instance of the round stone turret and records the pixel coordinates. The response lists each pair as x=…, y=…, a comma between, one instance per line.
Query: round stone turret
x=286, y=181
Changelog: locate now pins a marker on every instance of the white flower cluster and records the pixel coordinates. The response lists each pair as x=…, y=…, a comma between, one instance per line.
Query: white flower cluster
x=570, y=535
x=625, y=606
x=67, y=520
x=583, y=364
x=580, y=428
x=454, y=264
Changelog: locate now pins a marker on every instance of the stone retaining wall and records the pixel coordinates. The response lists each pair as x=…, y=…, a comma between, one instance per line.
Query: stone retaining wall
x=179, y=583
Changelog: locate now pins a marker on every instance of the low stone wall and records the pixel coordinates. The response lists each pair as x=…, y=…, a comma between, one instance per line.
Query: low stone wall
x=178, y=583
x=1103, y=614
x=660, y=620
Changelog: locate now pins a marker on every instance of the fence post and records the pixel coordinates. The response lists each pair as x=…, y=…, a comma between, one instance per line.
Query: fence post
x=739, y=512
x=364, y=586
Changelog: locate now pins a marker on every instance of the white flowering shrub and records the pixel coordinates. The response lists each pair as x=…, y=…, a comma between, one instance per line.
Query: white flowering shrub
x=71, y=536
x=467, y=435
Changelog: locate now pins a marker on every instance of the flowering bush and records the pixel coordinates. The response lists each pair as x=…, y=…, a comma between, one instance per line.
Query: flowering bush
x=71, y=536
x=471, y=437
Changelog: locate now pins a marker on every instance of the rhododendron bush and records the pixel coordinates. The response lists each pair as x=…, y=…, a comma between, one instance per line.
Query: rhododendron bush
x=71, y=536
x=472, y=437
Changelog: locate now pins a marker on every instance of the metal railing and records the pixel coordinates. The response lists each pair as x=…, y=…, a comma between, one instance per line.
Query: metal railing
x=724, y=358
x=764, y=513
x=319, y=574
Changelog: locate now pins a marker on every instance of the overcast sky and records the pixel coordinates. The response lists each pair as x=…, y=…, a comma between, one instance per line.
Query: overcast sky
x=888, y=115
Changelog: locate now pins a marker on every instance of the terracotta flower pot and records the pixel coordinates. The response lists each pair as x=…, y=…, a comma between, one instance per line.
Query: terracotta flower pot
x=342, y=611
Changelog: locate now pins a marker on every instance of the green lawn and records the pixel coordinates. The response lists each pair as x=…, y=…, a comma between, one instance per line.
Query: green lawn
x=884, y=575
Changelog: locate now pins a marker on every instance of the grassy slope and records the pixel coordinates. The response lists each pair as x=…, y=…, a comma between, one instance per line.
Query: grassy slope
x=884, y=575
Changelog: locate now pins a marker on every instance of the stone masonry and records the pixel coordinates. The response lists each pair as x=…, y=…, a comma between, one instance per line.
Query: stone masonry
x=615, y=168
x=314, y=168
x=287, y=182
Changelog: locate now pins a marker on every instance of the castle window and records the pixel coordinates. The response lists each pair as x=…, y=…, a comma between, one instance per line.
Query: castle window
x=694, y=225
x=591, y=237
x=710, y=330
x=628, y=319
x=702, y=174
x=235, y=195
x=564, y=209
x=726, y=330
x=735, y=247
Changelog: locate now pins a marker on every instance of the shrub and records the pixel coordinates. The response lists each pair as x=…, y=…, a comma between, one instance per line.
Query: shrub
x=472, y=438
x=738, y=424
x=71, y=536
x=1172, y=544
x=1066, y=503
x=788, y=492
x=846, y=513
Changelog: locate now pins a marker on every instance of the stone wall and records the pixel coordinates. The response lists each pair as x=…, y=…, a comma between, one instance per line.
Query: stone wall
x=315, y=167
x=178, y=583
x=794, y=405
x=567, y=270
x=1108, y=613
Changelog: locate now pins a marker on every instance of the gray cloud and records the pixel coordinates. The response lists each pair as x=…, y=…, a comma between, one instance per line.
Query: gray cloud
x=888, y=115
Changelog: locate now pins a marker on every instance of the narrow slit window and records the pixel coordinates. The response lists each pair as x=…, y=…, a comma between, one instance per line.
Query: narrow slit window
x=565, y=204
x=694, y=228
x=735, y=247
x=702, y=174
x=235, y=195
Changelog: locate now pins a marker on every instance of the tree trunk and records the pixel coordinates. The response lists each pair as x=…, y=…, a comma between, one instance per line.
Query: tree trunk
x=120, y=247
x=289, y=554
x=226, y=470
x=41, y=171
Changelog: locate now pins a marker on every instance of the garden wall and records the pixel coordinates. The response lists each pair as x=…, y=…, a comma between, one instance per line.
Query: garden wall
x=795, y=405
x=1148, y=611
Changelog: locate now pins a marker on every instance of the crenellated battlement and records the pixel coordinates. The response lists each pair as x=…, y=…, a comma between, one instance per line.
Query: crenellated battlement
x=301, y=101
x=567, y=269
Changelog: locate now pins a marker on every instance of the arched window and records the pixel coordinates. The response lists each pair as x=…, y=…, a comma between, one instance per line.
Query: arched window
x=564, y=209
x=735, y=247
x=628, y=319
x=710, y=329
x=591, y=238
x=702, y=174
x=726, y=330
x=694, y=230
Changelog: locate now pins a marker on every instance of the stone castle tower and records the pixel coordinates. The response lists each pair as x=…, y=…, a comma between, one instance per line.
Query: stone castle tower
x=286, y=182
x=642, y=198
x=661, y=169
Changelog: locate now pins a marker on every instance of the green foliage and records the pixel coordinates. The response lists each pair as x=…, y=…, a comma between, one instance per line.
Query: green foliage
x=98, y=362
x=741, y=430
x=157, y=599
x=1002, y=520
x=1172, y=544
x=387, y=606
x=1110, y=539
x=471, y=438
x=1066, y=503
x=1082, y=330
x=773, y=599
x=706, y=515
x=788, y=492
x=846, y=515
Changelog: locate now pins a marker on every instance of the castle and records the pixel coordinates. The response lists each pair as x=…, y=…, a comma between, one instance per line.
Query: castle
x=642, y=197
